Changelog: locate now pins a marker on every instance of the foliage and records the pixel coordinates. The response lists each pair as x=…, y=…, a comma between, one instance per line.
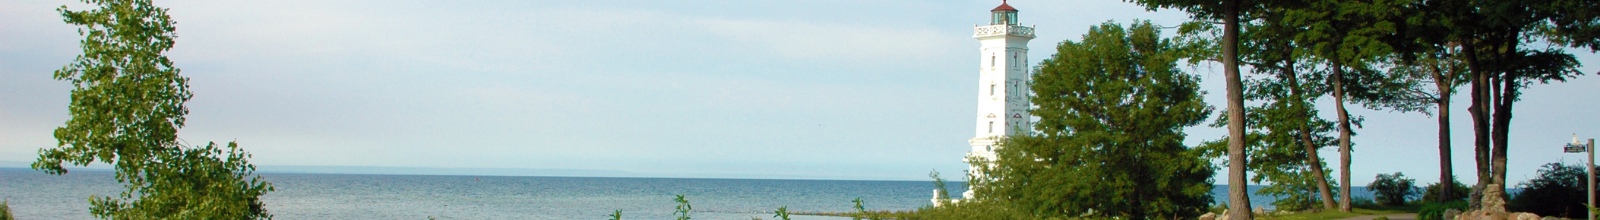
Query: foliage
x=1283, y=127
x=1499, y=43
x=942, y=193
x=1392, y=189
x=1229, y=13
x=1557, y=191
x=782, y=213
x=5, y=211
x=1435, y=210
x=969, y=209
x=616, y=215
x=861, y=211
x=1434, y=192
x=1363, y=202
x=1112, y=110
x=127, y=106
x=208, y=183
x=683, y=207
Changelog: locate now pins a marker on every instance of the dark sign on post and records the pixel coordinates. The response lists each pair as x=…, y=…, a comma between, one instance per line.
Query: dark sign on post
x=1576, y=148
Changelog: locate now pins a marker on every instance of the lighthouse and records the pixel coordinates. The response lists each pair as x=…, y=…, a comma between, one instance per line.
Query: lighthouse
x=1002, y=85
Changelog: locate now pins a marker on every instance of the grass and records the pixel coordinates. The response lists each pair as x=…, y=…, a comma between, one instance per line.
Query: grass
x=1333, y=214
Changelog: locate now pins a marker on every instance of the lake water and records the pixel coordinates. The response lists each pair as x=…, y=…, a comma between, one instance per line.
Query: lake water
x=35, y=195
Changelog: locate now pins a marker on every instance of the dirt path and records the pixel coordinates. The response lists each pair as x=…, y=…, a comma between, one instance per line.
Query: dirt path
x=1396, y=216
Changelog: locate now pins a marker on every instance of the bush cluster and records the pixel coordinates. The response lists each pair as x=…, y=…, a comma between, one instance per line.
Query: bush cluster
x=1392, y=189
x=1435, y=210
x=1435, y=192
x=1558, y=191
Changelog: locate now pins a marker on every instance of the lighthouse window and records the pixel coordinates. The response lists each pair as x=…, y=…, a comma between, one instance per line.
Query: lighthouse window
x=991, y=127
x=991, y=88
x=991, y=61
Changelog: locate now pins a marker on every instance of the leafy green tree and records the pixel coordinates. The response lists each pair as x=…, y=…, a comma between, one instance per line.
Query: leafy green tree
x=1350, y=36
x=1392, y=189
x=1557, y=191
x=1113, y=107
x=1229, y=13
x=1495, y=38
x=127, y=106
x=1442, y=68
x=1285, y=133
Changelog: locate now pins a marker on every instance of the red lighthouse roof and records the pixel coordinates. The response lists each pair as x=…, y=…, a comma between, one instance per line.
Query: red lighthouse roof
x=1003, y=7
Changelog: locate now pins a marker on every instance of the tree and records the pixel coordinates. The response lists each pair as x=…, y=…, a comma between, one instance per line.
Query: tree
x=1112, y=110
x=1558, y=191
x=1392, y=189
x=1229, y=12
x=1348, y=35
x=1442, y=68
x=127, y=106
x=1287, y=134
x=1493, y=37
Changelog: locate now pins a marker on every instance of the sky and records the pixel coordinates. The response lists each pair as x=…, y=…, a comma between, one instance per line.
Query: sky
x=802, y=89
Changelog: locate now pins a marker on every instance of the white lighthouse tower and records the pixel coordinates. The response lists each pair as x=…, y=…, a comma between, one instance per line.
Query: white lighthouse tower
x=1002, y=84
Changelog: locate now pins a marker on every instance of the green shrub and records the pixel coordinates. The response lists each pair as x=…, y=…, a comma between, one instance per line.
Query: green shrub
x=967, y=209
x=1362, y=202
x=5, y=211
x=1433, y=192
x=1392, y=189
x=1558, y=191
x=1435, y=210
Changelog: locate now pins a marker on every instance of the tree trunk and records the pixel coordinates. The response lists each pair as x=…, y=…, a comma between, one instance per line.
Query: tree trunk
x=1502, y=126
x=1444, y=85
x=1480, y=120
x=1305, y=137
x=1344, y=136
x=1446, y=172
x=1238, y=195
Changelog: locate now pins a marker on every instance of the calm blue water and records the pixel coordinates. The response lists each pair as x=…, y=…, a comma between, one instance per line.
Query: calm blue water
x=35, y=195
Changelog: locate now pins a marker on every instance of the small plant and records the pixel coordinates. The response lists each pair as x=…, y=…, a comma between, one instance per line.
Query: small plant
x=943, y=193
x=782, y=213
x=5, y=211
x=1435, y=211
x=859, y=208
x=616, y=215
x=683, y=208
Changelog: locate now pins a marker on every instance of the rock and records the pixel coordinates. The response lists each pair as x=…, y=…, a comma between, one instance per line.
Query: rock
x=1223, y=216
x=1208, y=216
x=1493, y=215
x=1261, y=210
x=1524, y=216
x=1493, y=202
x=1552, y=218
x=1475, y=198
x=1451, y=214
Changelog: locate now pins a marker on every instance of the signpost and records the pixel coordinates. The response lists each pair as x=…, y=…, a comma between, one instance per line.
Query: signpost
x=1576, y=147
